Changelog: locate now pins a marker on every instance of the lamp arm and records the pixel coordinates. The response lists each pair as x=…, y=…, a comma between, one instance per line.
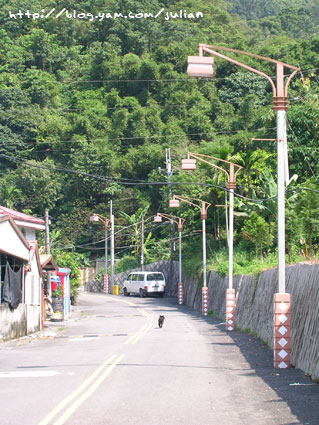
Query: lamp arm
x=236, y=172
x=217, y=159
x=190, y=154
x=253, y=55
x=171, y=217
x=288, y=81
x=187, y=202
x=242, y=65
x=206, y=207
x=105, y=220
x=198, y=156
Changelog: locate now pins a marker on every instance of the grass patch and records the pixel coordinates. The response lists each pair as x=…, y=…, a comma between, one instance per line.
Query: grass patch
x=243, y=262
x=254, y=334
x=212, y=314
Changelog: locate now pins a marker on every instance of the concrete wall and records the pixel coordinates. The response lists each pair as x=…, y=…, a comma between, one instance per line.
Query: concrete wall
x=254, y=307
x=25, y=319
x=13, y=324
x=86, y=275
x=33, y=318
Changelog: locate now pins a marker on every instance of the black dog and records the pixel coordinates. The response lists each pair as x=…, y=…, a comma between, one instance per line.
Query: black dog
x=161, y=321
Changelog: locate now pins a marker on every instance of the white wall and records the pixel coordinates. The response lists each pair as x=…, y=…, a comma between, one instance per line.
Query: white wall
x=29, y=234
x=32, y=284
x=13, y=324
x=11, y=243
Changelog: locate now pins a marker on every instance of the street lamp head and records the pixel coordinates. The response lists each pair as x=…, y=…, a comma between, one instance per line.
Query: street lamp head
x=174, y=203
x=200, y=66
x=158, y=219
x=188, y=164
x=94, y=218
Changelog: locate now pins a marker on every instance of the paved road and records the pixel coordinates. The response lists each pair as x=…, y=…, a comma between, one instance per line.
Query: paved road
x=111, y=364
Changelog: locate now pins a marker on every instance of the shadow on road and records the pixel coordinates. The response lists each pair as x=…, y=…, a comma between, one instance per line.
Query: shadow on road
x=292, y=386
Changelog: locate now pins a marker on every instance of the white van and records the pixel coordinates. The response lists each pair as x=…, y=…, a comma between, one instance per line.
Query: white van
x=144, y=283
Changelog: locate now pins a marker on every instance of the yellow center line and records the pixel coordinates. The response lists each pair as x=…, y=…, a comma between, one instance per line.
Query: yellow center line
x=146, y=314
x=82, y=387
x=123, y=301
x=135, y=335
x=89, y=392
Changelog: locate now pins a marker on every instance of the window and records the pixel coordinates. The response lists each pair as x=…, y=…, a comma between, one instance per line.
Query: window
x=16, y=273
x=155, y=276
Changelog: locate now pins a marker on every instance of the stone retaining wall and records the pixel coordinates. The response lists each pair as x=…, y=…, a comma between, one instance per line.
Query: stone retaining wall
x=254, y=307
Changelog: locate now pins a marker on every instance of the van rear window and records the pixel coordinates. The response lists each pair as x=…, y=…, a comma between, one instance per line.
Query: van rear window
x=136, y=277
x=155, y=276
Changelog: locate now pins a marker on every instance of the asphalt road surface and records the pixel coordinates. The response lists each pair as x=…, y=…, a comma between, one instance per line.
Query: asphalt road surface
x=111, y=364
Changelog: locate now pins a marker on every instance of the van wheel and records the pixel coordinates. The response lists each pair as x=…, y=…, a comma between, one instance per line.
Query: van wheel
x=126, y=294
x=142, y=293
x=161, y=294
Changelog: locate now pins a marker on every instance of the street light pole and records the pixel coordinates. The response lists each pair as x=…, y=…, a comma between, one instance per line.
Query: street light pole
x=169, y=179
x=142, y=244
x=113, y=289
x=190, y=164
x=200, y=66
x=106, y=249
x=180, y=282
x=203, y=206
x=172, y=218
x=97, y=217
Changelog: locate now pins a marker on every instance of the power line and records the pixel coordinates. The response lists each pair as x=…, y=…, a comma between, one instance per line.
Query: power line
x=139, y=182
x=151, y=136
x=164, y=80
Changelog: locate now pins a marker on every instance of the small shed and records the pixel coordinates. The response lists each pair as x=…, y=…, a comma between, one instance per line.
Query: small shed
x=60, y=281
x=48, y=265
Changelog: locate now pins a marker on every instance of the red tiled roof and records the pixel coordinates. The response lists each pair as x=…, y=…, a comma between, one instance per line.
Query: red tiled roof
x=20, y=216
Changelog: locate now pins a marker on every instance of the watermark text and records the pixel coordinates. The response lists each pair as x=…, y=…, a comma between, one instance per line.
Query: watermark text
x=101, y=16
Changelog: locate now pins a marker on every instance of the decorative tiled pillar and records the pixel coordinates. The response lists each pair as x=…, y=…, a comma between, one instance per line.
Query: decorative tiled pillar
x=205, y=301
x=230, y=309
x=180, y=293
x=282, y=331
x=106, y=283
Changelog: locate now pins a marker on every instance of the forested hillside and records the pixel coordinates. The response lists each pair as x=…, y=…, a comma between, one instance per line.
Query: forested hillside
x=89, y=103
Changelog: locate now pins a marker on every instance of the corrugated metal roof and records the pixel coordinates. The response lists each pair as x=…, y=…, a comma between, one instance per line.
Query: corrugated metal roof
x=16, y=215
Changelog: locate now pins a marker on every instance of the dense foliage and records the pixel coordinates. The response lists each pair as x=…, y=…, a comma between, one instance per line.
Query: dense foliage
x=88, y=107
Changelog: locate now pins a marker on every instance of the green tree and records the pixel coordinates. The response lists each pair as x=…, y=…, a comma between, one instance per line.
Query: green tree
x=74, y=262
x=37, y=186
x=257, y=231
x=8, y=194
x=308, y=206
x=41, y=86
x=134, y=228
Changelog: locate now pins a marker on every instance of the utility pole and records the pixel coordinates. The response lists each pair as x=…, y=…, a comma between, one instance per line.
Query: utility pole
x=142, y=244
x=112, y=246
x=106, y=277
x=169, y=178
x=47, y=249
x=47, y=232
